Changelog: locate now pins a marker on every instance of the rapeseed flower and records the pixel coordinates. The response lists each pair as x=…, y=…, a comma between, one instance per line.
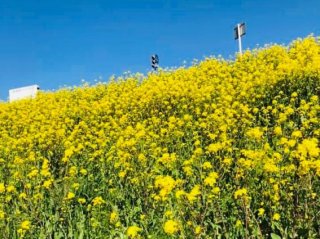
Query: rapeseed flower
x=25, y=225
x=70, y=196
x=2, y=188
x=207, y=165
x=276, y=217
x=171, y=227
x=211, y=179
x=82, y=200
x=242, y=192
x=261, y=212
x=133, y=231
x=194, y=193
x=113, y=217
x=97, y=201
x=172, y=146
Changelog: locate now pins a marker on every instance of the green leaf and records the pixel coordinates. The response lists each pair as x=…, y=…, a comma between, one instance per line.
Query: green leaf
x=275, y=236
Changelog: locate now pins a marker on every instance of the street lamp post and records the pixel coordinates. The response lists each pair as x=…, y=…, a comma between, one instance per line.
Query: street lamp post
x=155, y=61
x=239, y=31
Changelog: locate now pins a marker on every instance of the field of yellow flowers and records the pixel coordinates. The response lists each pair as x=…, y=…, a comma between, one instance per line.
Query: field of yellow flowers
x=222, y=149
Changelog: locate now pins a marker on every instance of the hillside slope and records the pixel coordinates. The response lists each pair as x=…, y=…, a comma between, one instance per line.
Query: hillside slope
x=223, y=148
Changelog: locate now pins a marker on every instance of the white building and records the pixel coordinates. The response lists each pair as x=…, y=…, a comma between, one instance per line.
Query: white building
x=23, y=92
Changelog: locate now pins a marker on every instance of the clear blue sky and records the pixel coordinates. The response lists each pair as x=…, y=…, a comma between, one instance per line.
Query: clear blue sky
x=56, y=43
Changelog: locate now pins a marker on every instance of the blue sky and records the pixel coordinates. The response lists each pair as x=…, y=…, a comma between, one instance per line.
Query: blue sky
x=56, y=43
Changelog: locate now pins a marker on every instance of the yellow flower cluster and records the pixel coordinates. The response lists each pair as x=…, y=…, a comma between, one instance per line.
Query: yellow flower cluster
x=133, y=231
x=171, y=227
x=223, y=148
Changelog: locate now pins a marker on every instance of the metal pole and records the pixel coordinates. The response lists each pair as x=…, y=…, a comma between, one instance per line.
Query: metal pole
x=239, y=39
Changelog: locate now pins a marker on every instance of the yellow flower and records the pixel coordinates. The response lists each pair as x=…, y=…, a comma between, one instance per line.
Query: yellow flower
x=28, y=185
x=215, y=190
x=277, y=131
x=227, y=161
x=270, y=167
x=171, y=227
x=168, y=213
x=22, y=195
x=238, y=223
x=214, y=148
x=142, y=158
x=309, y=147
x=83, y=171
x=296, y=134
x=276, y=217
x=113, y=217
x=197, y=230
x=207, y=165
x=198, y=151
x=166, y=184
x=97, y=201
x=25, y=225
x=33, y=173
x=133, y=231
x=70, y=195
x=94, y=222
x=240, y=193
x=47, y=184
x=261, y=211
x=76, y=186
x=73, y=171
x=122, y=174
x=11, y=189
x=168, y=159
x=179, y=194
x=2, y=188
x=291, y=143
x=211, y=179
x=45, y=172
x=254, y=133
x=82, y=200
x=188, y=170
x=195, y=192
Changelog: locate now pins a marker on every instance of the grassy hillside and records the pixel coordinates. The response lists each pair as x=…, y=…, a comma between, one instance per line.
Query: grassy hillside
x=222, y=149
